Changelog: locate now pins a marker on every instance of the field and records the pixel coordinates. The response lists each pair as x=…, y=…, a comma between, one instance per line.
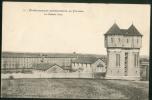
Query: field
x=74, y=88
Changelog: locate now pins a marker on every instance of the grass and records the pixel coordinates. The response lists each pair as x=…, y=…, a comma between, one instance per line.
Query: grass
x=74, y=88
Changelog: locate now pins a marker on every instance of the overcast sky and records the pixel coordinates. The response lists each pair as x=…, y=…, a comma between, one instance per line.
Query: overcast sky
x=82, y=32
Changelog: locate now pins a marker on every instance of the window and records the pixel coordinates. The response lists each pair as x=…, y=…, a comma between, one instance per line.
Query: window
x=117, y=59
x=127, y=40
x=136, y=59
x=111, y=39
x=126, y=64
x=119, y=39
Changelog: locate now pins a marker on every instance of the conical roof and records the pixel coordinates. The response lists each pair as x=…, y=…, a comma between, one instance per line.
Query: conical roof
x=115, y=30
x=133, y=31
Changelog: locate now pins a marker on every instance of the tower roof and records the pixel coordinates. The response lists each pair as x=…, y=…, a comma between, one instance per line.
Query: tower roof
x=133, y=31
x=115, y=30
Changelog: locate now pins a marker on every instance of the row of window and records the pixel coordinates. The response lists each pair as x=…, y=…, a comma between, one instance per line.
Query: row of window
x=135, y=61
x=127, y=40
x=79, y=64
x=21, y=61
x=34, y=59
x=9, y=65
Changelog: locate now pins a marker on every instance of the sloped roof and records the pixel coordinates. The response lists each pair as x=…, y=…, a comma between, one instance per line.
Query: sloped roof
x=133, y=31
x=85, y=60
x=45, y=66
x=52, y=55
x=115, y=30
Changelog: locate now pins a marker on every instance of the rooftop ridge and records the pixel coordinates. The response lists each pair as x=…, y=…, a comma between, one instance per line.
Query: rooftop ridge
x=115, y=30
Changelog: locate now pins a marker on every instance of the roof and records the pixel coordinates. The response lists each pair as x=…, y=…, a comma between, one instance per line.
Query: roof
x=115, y=30
x=52, y=55
x=85, y=60
x=45, y=66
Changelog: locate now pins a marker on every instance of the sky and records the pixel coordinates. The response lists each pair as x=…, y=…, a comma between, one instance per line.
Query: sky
x=54, y=27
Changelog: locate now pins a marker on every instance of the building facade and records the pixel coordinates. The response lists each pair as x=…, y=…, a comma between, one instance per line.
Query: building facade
x=29, y=61
x=90, y=64
x=123, y=46
x=96, y=66
x=20, y=62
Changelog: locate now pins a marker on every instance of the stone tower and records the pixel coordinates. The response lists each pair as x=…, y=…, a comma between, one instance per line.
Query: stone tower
x=123, y=46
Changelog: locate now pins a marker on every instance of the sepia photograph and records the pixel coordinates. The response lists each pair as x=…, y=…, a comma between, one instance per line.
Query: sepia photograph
x=75, y=50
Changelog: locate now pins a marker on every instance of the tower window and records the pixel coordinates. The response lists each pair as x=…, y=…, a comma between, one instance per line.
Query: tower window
x=126, y=64
x=136, y=59
x=111, y=39
x=117, y=59
x=119, y=39
x=127, y=40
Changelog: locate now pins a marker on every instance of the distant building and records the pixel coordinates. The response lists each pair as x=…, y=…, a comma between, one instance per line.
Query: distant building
x=89, y=64
x=123, y=46
x=96, y=66
x=144, y=69
x=17, y=62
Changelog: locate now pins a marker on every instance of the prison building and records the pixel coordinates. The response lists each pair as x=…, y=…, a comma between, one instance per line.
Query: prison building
x=89, y=65
x=14, y=61
x=17, y=61
x=123, y=47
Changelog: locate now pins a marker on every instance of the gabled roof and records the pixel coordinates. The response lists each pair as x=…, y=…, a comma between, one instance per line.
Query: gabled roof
x=85, y=60
x=45, y=66
x=115, y=30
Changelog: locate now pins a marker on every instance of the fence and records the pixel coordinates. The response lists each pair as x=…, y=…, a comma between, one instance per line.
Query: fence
x=50, y=75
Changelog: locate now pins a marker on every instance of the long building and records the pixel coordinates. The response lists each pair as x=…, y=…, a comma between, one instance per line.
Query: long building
x=11, y=61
